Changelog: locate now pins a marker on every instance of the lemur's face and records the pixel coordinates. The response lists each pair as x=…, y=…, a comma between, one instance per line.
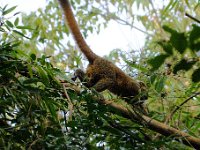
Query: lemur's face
x=78, y=74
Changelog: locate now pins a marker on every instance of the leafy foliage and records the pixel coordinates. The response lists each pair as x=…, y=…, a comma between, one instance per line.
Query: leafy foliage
x=179, y=42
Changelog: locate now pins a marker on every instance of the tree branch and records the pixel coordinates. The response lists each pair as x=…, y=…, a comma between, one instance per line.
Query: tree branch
x=154, y=124
x=151, y=123
x=191, y=17
x=178, y=107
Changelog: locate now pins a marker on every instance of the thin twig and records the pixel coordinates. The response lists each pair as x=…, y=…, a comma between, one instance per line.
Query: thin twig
x=191, y=17
x=33, y=143
x=157, y=17
x=123, y=129
x=121, y=21
x=179, y=106
x=70, y=105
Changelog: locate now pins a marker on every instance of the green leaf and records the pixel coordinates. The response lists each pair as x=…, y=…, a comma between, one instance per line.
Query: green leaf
x=21, y=34
x=43, y=75
x=186, y=1
x=167, y=47
x=2, y=30
x=136, y=66
x=50, y=105
x=178, y=40
x=194, y=38
x=196, y=75
x=42, y=60
x=183, y=65
x=16, y=21
x=170, y=6
x=31, y=80
x=8, y=10
x=30, y=70
x=111, y=130
x=153, y=78
x=159, y=85
x=16, y=44
x=4, y=8
x=7, y=27
x=168, y=29
x=24, y=27
x=33, y=56
x=9, y=24
x=157, y=61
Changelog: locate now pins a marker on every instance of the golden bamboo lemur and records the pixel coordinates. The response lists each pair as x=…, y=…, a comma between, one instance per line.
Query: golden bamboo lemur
x=101, y=74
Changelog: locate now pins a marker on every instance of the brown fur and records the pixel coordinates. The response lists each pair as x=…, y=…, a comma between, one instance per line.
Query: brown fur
x=101, y=74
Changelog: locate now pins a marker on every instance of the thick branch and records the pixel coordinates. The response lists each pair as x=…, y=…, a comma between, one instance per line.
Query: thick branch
x=152, y=124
